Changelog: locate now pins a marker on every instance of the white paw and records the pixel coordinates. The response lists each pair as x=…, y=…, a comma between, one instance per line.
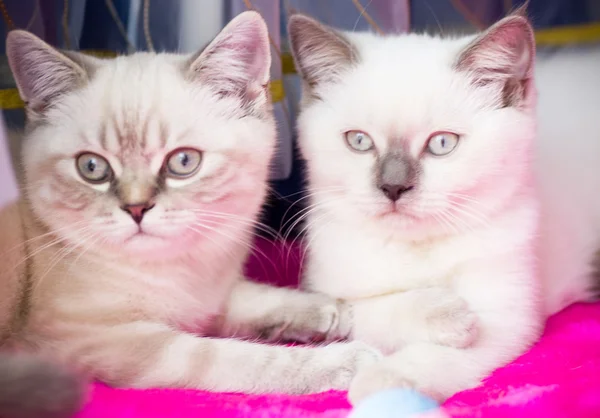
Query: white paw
x=333, y=321
x=451, y=323
x=343, y=326
x=343, y=362
x=373, y=379
x=323, y=319
x=328, y=321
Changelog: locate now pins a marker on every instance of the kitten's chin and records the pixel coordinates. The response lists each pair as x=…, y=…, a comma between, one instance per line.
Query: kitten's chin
x=146, y=245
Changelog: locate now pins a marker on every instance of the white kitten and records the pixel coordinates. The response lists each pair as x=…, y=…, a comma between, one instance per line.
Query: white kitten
x=144, y=177
x=420, y=157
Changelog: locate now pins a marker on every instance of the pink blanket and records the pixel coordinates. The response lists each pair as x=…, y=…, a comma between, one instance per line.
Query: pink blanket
x=559, y=377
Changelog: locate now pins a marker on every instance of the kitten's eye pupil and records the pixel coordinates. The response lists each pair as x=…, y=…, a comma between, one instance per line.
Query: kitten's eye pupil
x=91, y=166
x=184, y=159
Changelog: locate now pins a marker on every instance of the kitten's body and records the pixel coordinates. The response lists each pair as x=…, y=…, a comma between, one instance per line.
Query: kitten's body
x=469, y=235
x=130, y=275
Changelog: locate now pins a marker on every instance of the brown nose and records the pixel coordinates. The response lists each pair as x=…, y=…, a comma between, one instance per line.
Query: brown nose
x=394, y=191
x=138, y=210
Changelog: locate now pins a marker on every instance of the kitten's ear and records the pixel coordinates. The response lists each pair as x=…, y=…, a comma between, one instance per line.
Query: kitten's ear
x=504, y=54
x=41, y=72
x=320, y=52
x=238, y=61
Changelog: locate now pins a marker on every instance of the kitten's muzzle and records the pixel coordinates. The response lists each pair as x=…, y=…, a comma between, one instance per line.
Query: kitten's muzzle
x=138, y=210
x=396, y=174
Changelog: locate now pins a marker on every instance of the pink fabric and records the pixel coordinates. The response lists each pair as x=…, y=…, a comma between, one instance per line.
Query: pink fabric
x=558, y=378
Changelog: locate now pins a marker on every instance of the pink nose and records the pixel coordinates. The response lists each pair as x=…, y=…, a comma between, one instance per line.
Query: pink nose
x=138, y=211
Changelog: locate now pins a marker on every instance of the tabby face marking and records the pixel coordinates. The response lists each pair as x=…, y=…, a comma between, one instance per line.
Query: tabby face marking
x=129, y=116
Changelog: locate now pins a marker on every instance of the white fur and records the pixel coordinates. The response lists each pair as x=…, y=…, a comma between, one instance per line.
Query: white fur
x=473, y=226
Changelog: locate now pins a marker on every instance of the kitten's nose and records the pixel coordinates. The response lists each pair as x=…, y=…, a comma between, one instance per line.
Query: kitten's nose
x=138, y=210
x=394, y=191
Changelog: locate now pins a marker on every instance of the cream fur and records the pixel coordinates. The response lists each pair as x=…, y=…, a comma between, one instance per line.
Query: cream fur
x=145, y=310
x=492, y=239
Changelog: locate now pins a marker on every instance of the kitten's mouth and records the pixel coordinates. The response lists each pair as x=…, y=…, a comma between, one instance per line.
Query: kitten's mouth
x=140, y=234
x=391, y=209
x=390, y=212
x=395, y=210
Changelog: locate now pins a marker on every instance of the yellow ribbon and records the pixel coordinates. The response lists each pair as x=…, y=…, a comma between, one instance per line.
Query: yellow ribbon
x=10, y=99
x=565, y=35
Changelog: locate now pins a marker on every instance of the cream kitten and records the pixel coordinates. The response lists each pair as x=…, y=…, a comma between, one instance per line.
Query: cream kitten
x=426, y=216
x=144, y=177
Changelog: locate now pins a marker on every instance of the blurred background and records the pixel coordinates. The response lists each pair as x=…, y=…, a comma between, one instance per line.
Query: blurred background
x=110, y=27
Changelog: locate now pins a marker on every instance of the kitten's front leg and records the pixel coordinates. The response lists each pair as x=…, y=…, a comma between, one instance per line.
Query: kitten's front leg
x=432, y=314
x=505, y=300
x=283, y=314
x=147, y=354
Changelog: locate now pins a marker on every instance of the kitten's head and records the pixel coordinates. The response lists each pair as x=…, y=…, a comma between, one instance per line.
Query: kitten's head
x=418, y=134
x=148, y=154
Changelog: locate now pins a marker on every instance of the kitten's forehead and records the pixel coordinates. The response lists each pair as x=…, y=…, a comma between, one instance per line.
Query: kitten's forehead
x=137, y=70
x=410, y=64
x=135, y=105
x=409, y=52
x=133, y=133
x=404, y=83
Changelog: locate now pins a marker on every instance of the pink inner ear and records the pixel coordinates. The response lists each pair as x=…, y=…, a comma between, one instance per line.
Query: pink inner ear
x=252, y=51
x=506, y=50
x=524, y=58
x=238, y=61
x=512, y=41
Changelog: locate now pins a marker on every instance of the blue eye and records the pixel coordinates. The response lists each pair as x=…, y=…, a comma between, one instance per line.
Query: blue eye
x=93, y=168
x=359, y=141
x=442, y=143
x=183, y=162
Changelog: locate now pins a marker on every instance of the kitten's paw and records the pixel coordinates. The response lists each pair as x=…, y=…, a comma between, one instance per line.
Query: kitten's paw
x=452, y=323
x=373, y=379
x=343, y=362
x=321, y=319
x=342, y=328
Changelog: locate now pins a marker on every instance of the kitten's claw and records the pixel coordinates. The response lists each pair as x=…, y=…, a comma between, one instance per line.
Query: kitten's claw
x=452, y=323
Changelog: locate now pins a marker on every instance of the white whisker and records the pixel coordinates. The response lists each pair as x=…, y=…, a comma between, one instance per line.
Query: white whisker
x=62, y=254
